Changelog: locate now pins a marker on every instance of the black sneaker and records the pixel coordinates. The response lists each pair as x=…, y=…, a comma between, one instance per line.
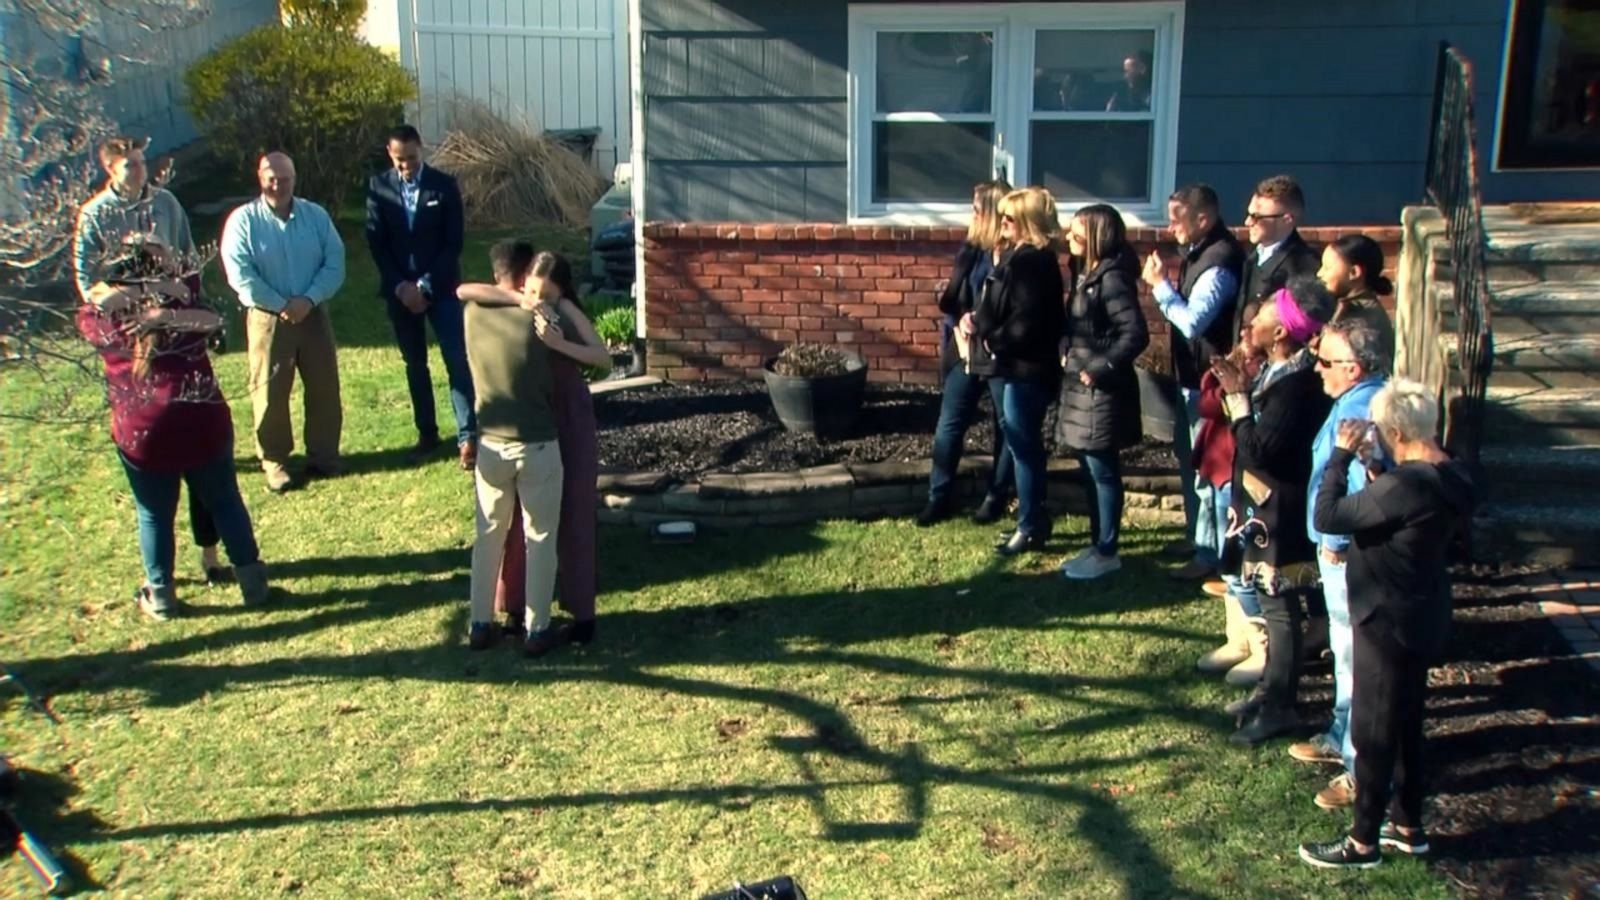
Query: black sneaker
x=1340, y=854
x=990, y=510
x=1269, y=722
x=480, y=636
x=933, y=514
x=581, y=632
x=1413, y=844
x=1246, y=706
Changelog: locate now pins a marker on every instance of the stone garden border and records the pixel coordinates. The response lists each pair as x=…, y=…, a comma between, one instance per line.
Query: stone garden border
x=851, y=491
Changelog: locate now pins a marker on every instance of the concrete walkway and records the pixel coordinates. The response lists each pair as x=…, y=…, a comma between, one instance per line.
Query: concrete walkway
x=1571, y=599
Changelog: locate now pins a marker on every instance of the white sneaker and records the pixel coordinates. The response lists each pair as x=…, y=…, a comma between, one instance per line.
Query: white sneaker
x=1082, y=555
x=1090, y=565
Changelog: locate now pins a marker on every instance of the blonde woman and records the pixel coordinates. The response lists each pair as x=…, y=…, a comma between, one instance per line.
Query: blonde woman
x=1105, y=332
x=1019, y=320
x=963, y=388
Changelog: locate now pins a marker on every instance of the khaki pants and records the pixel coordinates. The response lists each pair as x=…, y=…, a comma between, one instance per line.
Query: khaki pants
x=509, y=472
x=276, y=349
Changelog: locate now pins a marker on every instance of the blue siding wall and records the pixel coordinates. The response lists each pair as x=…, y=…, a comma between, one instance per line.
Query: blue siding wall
x=145, y=98
x=746, y=116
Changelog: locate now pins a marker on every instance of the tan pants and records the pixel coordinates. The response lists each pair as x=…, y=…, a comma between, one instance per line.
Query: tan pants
x=509, y=472
x=276, y=349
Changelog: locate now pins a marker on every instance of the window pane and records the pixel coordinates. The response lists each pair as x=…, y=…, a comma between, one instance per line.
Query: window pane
x=924, y=162
x=1082, y=161
x=1093, y=70
x=935, y=71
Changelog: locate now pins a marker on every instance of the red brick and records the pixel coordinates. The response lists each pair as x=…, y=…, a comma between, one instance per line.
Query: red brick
x=763, y=321
x=763, y=346
x=812, y=322
x=923, y=272
x=722, y=268
x=781, y=335
x=882, y=325
x=928, y=285
x=763, y=296
x=699, y=334
x=883, y=376
x=780, y=309
x=842, y=271
x=819, y=337
x=802, y=270
x=802, y=297
x=816, y=284
x=733, y=333
x=691, y=374
x=779, y=258
x=858, y=284
x=857, y=259
x=847, y=337
x=766, y=232
x=892, y=297
x=736, y=282
x=897, y=259
x=895, y=284
x=664, y=333
x=900, y=310
x=763, y=268
x=899, y=363
x=879, y=271
x=927, y=337
x=724, y=346
x=919, y=377
x=723, y=295
x=742, y=359
x=769, y=283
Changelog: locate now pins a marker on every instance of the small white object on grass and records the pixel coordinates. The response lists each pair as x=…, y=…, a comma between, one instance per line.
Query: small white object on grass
x=677, y=532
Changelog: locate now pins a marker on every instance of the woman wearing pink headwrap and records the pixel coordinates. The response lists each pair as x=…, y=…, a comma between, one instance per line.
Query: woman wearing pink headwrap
x=1275, y=421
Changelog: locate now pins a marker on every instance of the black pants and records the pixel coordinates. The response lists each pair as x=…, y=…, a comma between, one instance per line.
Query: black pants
x=1280, y=680
x=1386, y=706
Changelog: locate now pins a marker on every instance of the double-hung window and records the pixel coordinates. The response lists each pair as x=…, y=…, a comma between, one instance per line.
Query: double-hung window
x=1081, y=98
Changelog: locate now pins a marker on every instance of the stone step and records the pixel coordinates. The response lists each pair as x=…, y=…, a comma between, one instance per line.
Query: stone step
x=1554, y=416
x=1511, y=237
x=1536, y=533
x=1515, y=274
x=1555, y=476
x=1578, y=353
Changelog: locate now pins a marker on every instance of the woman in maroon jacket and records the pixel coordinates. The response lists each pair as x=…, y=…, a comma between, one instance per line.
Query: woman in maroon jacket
x=169, y=420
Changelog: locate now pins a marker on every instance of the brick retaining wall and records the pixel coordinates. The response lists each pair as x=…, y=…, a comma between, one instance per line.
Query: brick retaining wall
x=721, y=298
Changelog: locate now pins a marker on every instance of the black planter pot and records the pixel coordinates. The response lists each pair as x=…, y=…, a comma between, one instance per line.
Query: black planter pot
x=825, y=406
x=1158, y=403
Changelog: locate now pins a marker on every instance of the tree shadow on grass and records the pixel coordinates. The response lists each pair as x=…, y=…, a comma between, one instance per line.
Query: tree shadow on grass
x=42, y=805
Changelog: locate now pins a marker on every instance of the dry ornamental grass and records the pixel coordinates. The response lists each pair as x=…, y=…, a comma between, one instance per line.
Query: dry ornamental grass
x=513, y=174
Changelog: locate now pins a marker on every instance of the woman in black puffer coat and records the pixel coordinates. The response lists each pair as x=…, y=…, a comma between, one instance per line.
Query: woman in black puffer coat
x=1100, y=416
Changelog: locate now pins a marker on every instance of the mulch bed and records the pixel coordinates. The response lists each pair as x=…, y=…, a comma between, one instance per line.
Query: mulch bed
x=693, y=429
x=1513, y=748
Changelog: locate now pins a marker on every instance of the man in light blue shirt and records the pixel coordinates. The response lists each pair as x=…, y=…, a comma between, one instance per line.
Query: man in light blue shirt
x=1200, y=310
x=283, y=256
x=1354, y=363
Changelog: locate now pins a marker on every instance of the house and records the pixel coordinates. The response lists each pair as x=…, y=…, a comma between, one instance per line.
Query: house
x=557, y=66
x=143, y=74
x=802, y=170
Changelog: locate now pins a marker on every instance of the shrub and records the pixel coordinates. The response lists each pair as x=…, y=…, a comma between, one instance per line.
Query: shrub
x=811, y=361
x=326, y=98
x=324, y=15
x=616, y=326
x=511, y=174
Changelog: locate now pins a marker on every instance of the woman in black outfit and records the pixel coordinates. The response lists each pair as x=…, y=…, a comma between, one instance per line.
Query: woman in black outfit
x=962, y=389
x=1275, y=422
x=1019, y=319
x=1099, y=416
x=1402, y=524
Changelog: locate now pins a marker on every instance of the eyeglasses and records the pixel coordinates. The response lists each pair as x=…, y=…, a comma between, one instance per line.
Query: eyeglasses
x=1262, y=217
x=1326, y=363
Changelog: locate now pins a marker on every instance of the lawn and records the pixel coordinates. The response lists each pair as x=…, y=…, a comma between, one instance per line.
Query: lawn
x=879, y=710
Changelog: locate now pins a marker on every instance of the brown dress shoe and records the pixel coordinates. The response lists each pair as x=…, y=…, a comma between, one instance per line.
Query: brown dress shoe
x=469, y=455
x=1216, y=587
x=1340, y=793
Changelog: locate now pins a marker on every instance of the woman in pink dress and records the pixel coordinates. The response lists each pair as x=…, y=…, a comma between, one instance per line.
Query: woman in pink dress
x=572, y=338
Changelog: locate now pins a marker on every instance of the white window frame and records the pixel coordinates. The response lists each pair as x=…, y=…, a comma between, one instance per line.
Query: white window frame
x=1015, y=26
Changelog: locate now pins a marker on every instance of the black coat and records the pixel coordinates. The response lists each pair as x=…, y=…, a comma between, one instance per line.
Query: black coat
x=1105, y=332
x=1272, y=451
x=957, y=299
x=433, y=241
x=1021, y=315
x=1293, y=259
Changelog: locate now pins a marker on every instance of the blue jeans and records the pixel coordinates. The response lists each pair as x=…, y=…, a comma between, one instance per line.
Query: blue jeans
x=958, y=406
x=449, y=328
x=1341, y=640
x=1023, y=405
x=1200, y=504
x=1238, y=587
x=155, y=496
x=1102, y=487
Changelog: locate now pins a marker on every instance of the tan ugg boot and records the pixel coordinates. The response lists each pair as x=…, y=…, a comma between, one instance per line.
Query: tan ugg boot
x=1236, y=648
x=1249, y=672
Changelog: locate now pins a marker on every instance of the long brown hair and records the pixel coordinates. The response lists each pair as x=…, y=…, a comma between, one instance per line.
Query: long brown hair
x=984, y=231
x=1104, y=233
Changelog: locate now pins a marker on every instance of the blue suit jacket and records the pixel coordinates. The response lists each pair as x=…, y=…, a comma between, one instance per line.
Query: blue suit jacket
x=433, y=241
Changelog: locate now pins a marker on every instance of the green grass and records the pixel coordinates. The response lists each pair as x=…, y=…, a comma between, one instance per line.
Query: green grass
x=880, y=710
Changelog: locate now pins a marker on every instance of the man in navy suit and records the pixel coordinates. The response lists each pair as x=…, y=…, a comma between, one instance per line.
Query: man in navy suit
x=414, y=230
